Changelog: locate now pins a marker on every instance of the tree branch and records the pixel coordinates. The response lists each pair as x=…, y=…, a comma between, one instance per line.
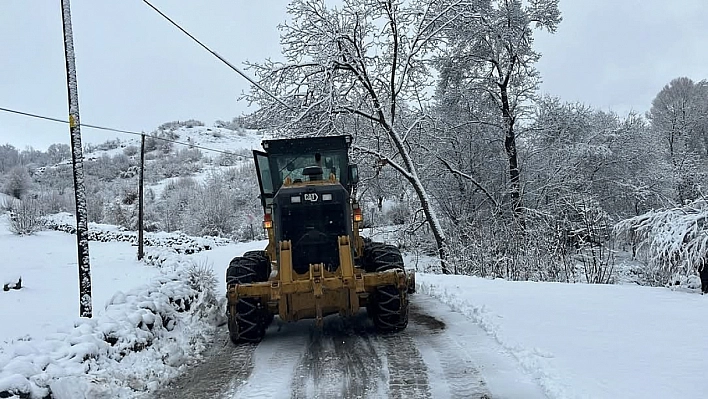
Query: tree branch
x=470, y=178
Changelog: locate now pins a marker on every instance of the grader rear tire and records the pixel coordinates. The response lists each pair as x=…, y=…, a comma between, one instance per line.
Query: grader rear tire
x=247, y=319
x=388, y=307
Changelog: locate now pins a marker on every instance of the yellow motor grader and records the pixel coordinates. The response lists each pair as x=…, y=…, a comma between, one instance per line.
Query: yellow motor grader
x=315, y=263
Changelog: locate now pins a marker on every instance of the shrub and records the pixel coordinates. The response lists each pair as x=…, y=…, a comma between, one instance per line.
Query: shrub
x=109, y=145
x=26, y=216
x=201, y=278
x=674, y=241
x=54, y=202
x=18, y=182
x=188, y=155
x=130, y=150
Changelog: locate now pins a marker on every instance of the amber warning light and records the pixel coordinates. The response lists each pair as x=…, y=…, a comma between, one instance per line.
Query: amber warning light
x=357, y=215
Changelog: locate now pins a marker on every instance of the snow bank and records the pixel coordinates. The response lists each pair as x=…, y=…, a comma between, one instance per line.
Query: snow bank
x=589, y=340
x=533, y=360
x=143, y=336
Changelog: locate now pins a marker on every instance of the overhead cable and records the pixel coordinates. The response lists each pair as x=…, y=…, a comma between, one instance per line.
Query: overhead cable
x=222, y=59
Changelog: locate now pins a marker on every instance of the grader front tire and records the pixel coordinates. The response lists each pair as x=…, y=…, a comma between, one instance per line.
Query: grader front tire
x=247, y=319
x=389, y=306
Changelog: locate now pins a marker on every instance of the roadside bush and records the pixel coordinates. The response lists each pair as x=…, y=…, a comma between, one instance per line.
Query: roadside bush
x=201, y=278
x=585, y=229
x=671, y=243
x=54, y=202
x=25, y=216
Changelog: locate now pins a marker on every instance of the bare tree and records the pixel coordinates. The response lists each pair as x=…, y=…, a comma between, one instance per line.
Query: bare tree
x=58, y=152
x=490, y=54
x=9, y=157
x=573, y=149
x=361, y=68
x=678, y=116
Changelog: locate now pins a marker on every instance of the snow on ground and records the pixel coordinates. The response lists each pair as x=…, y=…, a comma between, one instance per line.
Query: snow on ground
x=150, y=320
x=574, y=340
x=205, y=136
x=221, y=139
x=47, y=264
x=590, y=341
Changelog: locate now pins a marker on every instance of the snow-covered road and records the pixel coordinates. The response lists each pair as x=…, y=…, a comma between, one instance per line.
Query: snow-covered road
x=467, y=337
x=432, y=358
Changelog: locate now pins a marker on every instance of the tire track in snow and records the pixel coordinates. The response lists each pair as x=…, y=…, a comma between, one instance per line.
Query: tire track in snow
x=340, y=362
x=346, y=359
x=407, y=372
x=349, y=359
x=224, y=366
x=452, y=375
x=275, y=360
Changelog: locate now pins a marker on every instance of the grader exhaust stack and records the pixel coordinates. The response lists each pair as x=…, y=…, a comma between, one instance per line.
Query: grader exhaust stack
x=315, y=263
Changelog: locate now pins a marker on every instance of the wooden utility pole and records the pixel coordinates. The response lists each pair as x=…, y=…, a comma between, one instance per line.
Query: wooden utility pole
x=141, y=197
x=85, y=302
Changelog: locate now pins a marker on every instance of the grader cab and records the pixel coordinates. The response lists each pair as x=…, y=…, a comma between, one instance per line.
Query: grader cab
x=315, y=263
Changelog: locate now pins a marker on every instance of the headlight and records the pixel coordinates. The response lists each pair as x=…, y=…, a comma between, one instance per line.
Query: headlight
x=295, y=199
x=327, y=197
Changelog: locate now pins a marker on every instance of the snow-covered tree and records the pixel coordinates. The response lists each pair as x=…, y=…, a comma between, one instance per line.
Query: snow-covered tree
x=489, y=54
x=674, y=240
x=573, y=149
x=9, y=157
x=25, y=216
x=58, y=152
x=18, y=182
x=360, y=68
x=679, y=115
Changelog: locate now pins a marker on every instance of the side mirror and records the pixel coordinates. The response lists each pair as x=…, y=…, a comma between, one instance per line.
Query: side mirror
x=353, y=174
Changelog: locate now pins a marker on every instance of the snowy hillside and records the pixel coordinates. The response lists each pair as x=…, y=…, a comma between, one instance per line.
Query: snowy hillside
x=213, y=138
x=198, y=180
x=572, y=340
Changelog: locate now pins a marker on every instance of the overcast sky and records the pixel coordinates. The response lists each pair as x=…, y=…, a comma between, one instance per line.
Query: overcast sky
x=136, y=71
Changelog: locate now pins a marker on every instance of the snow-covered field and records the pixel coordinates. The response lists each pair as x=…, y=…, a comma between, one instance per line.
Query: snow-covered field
x=573, y=340
x=47, y=265
x=148, y=322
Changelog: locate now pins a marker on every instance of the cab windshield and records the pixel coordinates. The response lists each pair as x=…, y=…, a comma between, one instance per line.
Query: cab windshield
x=292, y=166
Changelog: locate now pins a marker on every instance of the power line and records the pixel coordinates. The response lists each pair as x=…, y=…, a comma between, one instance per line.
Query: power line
x=32, y=115
x=222, y=59
x=110, y=129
